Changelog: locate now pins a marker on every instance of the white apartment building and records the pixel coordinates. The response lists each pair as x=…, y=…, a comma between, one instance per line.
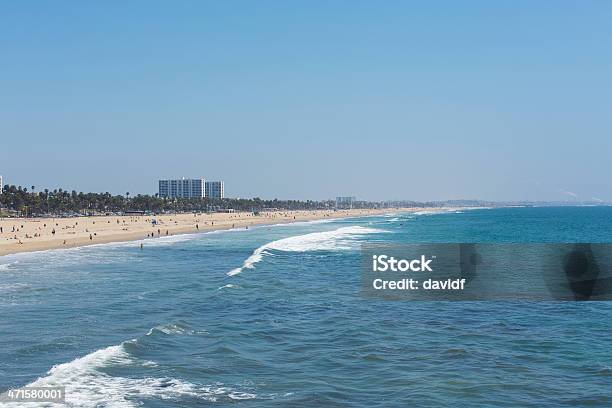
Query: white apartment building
x=182, y=188
x=215, y=189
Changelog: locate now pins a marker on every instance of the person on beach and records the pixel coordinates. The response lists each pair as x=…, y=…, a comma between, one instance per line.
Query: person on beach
x=90, y=237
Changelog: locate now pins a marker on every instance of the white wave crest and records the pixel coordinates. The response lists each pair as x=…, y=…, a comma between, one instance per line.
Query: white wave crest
x=426, y=212
x=88, y=386
x=339, y=239
x=175, y=328
x=6, y=266
x=449, y=210
x=241, y=395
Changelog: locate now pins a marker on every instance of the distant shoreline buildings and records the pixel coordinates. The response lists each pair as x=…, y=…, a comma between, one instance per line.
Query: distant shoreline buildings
x=191, y=188
x=345, y=202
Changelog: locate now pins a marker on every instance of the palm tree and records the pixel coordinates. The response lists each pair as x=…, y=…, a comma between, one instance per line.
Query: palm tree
x=47, y=199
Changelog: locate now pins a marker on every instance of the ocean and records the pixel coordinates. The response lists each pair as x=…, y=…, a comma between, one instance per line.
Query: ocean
x=273, y=316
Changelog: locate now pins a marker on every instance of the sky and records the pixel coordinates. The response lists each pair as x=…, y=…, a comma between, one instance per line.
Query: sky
x=503, y=100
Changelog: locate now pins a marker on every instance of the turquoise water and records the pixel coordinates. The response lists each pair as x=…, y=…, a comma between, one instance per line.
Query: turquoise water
x=167, y=326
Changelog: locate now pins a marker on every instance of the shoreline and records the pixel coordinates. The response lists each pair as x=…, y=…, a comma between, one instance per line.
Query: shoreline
x=20, y=235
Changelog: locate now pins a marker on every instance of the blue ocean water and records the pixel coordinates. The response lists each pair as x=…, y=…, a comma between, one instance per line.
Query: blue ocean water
x=272, y=316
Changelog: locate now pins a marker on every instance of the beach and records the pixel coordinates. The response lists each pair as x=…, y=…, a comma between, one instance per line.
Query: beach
x=38, y=234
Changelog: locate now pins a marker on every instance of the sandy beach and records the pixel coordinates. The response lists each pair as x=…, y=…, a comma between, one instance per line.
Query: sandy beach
x=36, y=234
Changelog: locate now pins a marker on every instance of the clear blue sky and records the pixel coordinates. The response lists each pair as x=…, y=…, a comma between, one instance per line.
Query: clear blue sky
x=312, y=99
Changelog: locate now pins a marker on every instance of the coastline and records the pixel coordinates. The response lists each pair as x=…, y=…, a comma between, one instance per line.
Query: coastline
x=39, y=234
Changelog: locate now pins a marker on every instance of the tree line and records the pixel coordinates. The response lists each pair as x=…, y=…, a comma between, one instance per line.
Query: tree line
x=30, y=202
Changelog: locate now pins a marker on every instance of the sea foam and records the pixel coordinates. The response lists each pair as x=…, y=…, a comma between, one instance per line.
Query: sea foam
x=7, y=266
x=87, y=385
x=340, y=239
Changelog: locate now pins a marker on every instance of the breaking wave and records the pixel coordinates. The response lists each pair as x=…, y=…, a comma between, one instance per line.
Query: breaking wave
x=339, y=239
x=6, y=266
x=88, y=385
x=428, y=212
